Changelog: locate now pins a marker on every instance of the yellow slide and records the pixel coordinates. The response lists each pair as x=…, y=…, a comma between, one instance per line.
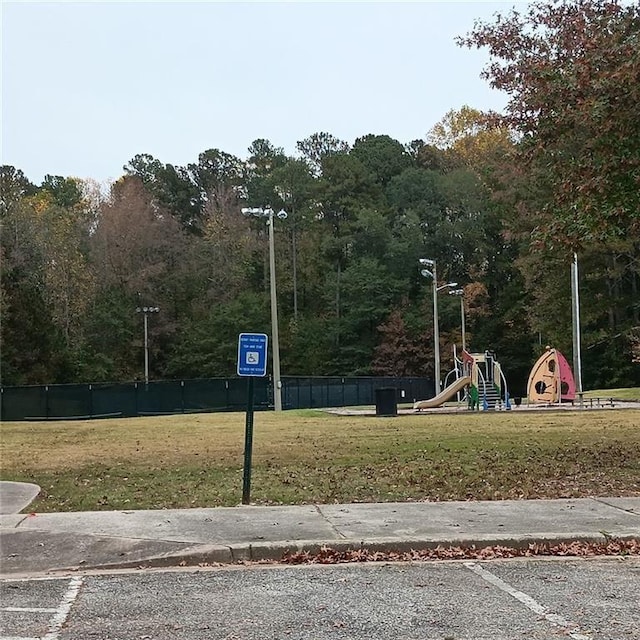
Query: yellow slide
x=444, y=395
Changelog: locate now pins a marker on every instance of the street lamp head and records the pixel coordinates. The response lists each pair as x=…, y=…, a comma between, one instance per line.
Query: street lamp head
x=426, y=273
x=253, y=211
x=427, y=262
x=449, y=285
x=267, y=212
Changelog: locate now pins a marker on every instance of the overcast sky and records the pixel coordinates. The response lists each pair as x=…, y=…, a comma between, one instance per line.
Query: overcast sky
x=86, y=86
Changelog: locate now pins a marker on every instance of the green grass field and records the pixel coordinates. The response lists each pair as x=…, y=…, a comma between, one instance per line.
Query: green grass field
x=632, y=394
x=311, y=456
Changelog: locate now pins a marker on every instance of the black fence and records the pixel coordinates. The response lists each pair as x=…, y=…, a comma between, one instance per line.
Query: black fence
x=105, y=400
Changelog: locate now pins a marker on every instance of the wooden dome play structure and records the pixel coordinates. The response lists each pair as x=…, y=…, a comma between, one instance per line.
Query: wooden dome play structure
x=551, y=379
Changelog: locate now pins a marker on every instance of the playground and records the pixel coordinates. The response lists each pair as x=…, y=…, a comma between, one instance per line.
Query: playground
x=479, y=383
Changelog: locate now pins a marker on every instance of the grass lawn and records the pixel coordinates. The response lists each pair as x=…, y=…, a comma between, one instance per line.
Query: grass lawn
x=311, y=456
x=632, y=394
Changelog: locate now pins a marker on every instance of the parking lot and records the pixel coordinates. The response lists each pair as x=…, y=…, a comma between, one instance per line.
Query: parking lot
x=583, y=599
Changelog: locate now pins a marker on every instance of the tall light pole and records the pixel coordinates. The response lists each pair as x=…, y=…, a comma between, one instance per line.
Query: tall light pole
x=428, y=262
x=146, y=311
x=268, y=213
x=460, y=293
x=575, y=316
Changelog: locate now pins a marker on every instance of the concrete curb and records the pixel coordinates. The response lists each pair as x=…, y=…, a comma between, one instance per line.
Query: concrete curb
x=274, y=552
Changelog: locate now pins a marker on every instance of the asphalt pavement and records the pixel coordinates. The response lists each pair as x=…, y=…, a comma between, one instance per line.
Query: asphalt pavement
x=38, y=543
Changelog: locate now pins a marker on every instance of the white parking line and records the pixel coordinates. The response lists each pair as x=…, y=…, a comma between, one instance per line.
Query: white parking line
x=62, y=612
x=568, y=627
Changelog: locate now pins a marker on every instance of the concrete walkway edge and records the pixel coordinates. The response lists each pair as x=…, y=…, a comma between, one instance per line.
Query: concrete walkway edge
x=54, y=542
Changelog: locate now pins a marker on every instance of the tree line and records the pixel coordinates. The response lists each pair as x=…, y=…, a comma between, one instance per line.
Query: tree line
x=500, y=201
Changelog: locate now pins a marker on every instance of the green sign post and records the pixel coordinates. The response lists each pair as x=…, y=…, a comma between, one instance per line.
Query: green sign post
x=252, y=362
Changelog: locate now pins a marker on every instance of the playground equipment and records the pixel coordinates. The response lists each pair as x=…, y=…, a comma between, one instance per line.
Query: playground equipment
x=444, y=395
x=551, y=379
x=482, y=377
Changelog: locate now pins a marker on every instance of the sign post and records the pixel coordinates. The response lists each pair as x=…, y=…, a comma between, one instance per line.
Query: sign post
x=252, y=363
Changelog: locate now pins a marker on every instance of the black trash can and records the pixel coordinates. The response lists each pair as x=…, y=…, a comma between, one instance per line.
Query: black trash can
x=386, y=401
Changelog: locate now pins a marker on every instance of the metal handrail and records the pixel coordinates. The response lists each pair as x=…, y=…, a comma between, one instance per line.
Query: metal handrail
x=485, y=404
x=507, y=402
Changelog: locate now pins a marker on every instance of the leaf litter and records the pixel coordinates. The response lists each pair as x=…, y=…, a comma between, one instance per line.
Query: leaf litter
x=577, y=548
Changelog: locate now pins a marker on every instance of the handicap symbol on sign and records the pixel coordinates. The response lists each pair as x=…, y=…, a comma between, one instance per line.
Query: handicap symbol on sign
x=253, y=357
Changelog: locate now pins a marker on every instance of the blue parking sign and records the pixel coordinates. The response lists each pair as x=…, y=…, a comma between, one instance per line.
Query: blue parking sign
x=252, y=354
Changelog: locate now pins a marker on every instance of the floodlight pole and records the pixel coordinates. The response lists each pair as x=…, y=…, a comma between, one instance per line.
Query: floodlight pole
x=436, y=330
x=575, y=316
x=268, y=213
x=277, y=384
x=146, y=349
x=460, y=294
x=146, y=311
x=433, y=274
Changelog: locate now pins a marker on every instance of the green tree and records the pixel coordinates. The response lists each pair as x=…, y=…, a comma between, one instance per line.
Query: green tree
x=65, y=192
x=172, y=187
x=218, y=176
x=294, y=186
x=44, y=273
x=319, y=146
x=207, y=345
x=264, y=158
x=382, y=155
x=13, y=187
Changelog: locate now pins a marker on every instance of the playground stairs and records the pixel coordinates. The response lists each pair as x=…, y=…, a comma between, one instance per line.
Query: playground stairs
x=493, y=399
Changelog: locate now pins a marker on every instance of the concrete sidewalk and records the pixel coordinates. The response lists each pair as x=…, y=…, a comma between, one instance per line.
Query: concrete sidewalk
x=41, y=543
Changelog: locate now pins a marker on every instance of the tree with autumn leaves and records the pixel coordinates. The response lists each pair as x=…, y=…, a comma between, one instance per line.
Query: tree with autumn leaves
x=572, y=73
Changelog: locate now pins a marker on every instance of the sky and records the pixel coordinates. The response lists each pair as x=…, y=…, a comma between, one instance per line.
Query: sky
x=88, y=85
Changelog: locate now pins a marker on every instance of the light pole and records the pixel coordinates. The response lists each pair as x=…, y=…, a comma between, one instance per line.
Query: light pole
x=268, y=213
x=146, y=311
x=575, y=316
x=460, y=293
x=428, y=262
